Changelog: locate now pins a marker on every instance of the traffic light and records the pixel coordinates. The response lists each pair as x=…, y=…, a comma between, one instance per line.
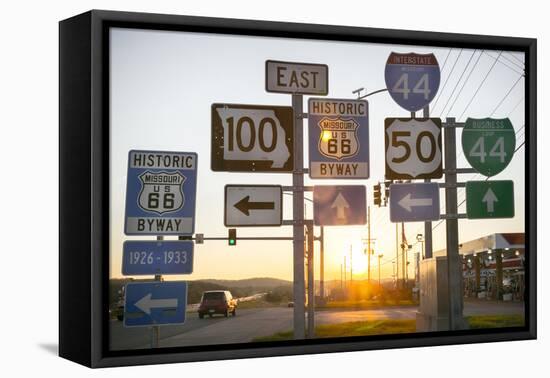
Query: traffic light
x=232, y=236
x=377, y=195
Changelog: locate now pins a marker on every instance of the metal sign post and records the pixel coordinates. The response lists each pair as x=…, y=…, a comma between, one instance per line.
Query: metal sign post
x=310, y=282
x=454, y=265
x=298, y=217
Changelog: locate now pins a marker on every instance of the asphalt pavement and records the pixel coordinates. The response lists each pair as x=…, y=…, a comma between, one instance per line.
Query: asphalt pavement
x=251, y=323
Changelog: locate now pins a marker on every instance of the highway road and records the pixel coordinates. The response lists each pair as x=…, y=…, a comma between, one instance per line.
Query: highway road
x=251, y=323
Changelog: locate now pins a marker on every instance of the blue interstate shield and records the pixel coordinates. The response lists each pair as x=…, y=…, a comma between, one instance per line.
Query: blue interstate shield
x=412, y=79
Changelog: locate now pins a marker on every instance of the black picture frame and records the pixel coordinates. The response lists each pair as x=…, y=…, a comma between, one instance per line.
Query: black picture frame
x=84, y=187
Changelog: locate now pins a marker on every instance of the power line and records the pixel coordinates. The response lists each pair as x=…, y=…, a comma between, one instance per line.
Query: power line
x=480, y=86
x=521, y=67
x=447, y=80
x=465, y=81
x=516, y=58
x=497, y=59
x=507, y=94
x=458, y=82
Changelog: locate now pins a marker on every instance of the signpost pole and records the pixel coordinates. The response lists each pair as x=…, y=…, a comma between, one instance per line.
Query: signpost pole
x=298, y=217
x=155, y=330
x=322, y=264
x=427, y=245
x=454, y=265
x=310, y=283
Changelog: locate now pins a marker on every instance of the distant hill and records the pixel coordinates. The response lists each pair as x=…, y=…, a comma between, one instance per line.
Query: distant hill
x=261, y=282
x=239, y=288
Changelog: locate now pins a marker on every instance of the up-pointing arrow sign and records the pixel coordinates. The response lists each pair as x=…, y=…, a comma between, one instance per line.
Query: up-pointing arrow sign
x=146, y=303
x=489, y=198
x=341, y=205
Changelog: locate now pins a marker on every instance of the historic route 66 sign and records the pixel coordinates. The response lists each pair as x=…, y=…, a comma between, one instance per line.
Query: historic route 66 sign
x=338, y=138
x=412, y=79
x=413, y=148
x=160, y=193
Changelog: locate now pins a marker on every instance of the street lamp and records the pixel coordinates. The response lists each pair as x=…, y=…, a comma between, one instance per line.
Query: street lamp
x=420, y=239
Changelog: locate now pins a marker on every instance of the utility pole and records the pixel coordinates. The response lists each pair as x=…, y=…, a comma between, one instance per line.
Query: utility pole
x=322, y=265
x=379, y=258
x=427, y=225
x=298, y=217
x=345, y=275
x=368, y=245
x=350, y=266
x=341, y=276
x=310, y=282
x=454, y=265
x=403, y=255
x=397, y=255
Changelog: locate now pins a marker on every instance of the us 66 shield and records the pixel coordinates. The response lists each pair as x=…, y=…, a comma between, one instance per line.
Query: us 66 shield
x=160, y=193
x=252, y=138
x=338, y=138
x=413, y=148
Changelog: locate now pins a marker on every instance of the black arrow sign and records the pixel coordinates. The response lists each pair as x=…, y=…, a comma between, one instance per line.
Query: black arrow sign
x=245, y=205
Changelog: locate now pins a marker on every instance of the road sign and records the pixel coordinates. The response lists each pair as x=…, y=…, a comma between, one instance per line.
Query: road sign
x=412, y=79
x=160, y=193
x=413, y=148
x=414, y=202
x=153, y=257
x=488, y=144
x=338, y=138
x=339, y=205
x=155, y=303
x=250, y=138
x=490, y=199
x=296, y=78
x=253, y=205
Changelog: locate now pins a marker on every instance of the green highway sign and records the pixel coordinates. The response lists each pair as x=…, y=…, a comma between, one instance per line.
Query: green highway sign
x=488, y=144
x=490, y=199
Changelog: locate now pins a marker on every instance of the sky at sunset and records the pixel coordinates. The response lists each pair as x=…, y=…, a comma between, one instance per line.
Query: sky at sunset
x=162, y=87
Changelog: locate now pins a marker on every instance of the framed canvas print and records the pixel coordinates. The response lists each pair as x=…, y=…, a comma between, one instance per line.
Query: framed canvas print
x=234, y=188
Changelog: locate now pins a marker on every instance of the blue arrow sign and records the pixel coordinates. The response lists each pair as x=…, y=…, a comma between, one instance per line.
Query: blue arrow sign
x=155, y=303
x=157, y=257
x=160, y=193
x=414, y=202
x=339, y=205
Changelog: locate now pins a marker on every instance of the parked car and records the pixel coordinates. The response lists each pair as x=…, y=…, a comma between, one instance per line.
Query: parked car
x=217, y=302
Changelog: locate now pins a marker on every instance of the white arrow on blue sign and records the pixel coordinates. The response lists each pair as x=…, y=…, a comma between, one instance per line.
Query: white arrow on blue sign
x=339, y=205
x=155, y=303
x=414, y=202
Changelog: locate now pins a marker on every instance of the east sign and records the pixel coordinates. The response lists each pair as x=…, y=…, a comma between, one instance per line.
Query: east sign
x=252, y=138
x=488, y=144
x=338, y=138
x=296, y=78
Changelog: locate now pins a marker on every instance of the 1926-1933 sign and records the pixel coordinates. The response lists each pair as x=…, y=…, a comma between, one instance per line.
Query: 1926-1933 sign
x=160, y=193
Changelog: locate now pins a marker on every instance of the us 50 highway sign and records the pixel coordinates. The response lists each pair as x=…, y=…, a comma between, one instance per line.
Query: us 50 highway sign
x=252, y=138
x=413, y=148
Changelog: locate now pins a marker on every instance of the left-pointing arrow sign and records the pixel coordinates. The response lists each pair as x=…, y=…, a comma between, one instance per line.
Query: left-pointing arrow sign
x=408, y=203
x=146, y=303
x=253, y=205
x=245, y=205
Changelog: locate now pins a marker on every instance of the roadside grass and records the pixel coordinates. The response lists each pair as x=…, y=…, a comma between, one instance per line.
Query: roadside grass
x=258, y=303
x=495, y=321
x=365, y=304
x=390, y=326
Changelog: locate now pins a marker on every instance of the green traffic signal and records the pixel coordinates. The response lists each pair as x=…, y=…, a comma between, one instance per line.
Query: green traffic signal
x=232, y=236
